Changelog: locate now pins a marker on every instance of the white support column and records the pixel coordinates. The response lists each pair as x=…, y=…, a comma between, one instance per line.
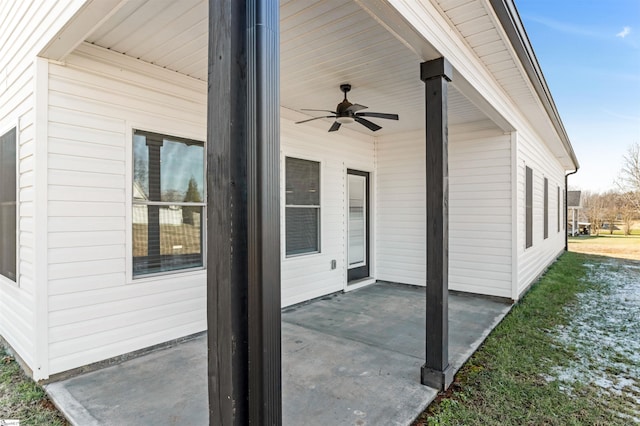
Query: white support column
x=41, y=258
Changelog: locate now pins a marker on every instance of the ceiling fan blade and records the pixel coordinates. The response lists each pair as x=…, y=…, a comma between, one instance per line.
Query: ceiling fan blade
x=356, y=107
x=315, y=118
x=319, y=110
x=378, y=115
x=335, y=126
x=368, y=124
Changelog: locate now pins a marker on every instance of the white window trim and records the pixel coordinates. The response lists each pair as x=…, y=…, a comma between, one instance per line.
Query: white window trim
x=283, y=210
x=129, y=163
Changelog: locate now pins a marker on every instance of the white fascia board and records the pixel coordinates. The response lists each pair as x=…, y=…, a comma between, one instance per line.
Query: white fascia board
x=83, y=23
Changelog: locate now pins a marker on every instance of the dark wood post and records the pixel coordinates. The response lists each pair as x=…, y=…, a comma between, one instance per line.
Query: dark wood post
x=243, y=247
x=436, y=372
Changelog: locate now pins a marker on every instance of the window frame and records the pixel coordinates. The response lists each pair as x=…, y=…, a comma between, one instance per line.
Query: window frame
x=545, y=208
x=558, y=208
x=564, y=209
x=318, y=207
x=528, y=205
x=16, y=226
x=169, y=135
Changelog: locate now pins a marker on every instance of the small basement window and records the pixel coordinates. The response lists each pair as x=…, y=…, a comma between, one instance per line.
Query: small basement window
x=168, y=203
x=302, y=205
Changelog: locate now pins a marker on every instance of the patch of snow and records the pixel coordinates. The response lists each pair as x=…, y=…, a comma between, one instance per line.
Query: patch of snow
x=605, y=331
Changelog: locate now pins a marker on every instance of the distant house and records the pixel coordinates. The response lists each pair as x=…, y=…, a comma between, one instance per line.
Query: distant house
x=574, y=205
x=103, y=112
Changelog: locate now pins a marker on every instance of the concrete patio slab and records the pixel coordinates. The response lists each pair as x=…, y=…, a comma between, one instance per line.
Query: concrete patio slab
x=347, y=359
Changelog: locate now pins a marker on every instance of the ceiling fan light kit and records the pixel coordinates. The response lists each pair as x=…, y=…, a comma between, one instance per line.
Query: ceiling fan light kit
x=347, y=113
x=345, y=120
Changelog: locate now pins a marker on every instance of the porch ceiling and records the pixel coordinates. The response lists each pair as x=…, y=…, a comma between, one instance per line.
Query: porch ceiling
x=323, y=43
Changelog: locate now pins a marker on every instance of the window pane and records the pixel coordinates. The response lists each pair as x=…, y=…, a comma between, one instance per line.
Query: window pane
x=529, y=208
x=302, y=230
x=357, y=224
x=8, y=205
x=546, y=208
x=558, y=211
x=140, y=168
x=167, y=170
x=166, y=238
x=302, y=182
x=182, y=171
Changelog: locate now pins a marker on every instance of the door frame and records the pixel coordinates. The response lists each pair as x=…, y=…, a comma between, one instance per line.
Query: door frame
x=370, y=228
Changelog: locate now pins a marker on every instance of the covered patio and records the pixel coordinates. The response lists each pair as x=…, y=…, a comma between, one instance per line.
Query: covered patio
x=350, y=358
x=346, y=356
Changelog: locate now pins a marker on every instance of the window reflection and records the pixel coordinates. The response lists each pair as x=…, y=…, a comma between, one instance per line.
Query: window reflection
x=167, y=170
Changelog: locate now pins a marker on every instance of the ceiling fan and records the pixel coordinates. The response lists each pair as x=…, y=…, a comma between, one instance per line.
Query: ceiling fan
x=346, y=112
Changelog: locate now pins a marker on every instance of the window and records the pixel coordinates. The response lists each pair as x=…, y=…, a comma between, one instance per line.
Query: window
x=546, y=208
x=558, y=209
x=8, y=204
x=564, y=208
x=168, y=203
x=529, y=207
x=302, y=206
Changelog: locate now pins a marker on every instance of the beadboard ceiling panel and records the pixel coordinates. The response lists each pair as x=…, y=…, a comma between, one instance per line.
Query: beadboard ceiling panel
x=324, y=43
x=471, y=19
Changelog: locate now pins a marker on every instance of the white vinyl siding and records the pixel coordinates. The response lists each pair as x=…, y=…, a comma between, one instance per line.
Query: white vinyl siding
x=25, y=27
x=311, y=275
x=534, y=260
x=96, y=311
x=479, y=211
x=401, y=209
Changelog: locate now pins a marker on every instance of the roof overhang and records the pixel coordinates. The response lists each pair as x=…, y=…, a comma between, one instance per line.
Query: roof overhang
x=512, y=24
x=376, y=45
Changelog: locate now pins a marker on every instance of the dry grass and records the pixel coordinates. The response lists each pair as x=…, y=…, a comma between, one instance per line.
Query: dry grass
x=174, y=239
x=23, y=399
x=619, y=246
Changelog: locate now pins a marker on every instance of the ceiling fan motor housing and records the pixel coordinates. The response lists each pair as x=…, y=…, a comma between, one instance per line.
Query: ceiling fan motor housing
x=341, y=109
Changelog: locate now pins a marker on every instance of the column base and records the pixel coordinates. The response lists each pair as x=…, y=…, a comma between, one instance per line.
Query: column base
x=437, y=379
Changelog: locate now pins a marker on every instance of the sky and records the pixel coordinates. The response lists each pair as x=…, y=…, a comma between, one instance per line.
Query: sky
x=589, y=52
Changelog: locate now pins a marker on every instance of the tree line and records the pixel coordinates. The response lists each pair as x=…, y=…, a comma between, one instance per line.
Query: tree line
x=619, y=206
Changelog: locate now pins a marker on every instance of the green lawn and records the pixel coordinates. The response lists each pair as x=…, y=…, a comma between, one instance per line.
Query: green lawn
x=22, y=399
x=550, y=360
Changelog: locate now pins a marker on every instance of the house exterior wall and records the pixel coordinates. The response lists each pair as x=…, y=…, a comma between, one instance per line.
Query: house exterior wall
x=25, y=28
x=308, y=276
x=76, y=302
x=479, y=210
x=534, y=260
x=96, y=309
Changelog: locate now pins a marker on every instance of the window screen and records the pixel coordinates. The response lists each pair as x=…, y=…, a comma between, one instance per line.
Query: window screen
x=302, y=205
x=168, y=203
x=546, y=208
x=529, y=207
x=8, y=204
